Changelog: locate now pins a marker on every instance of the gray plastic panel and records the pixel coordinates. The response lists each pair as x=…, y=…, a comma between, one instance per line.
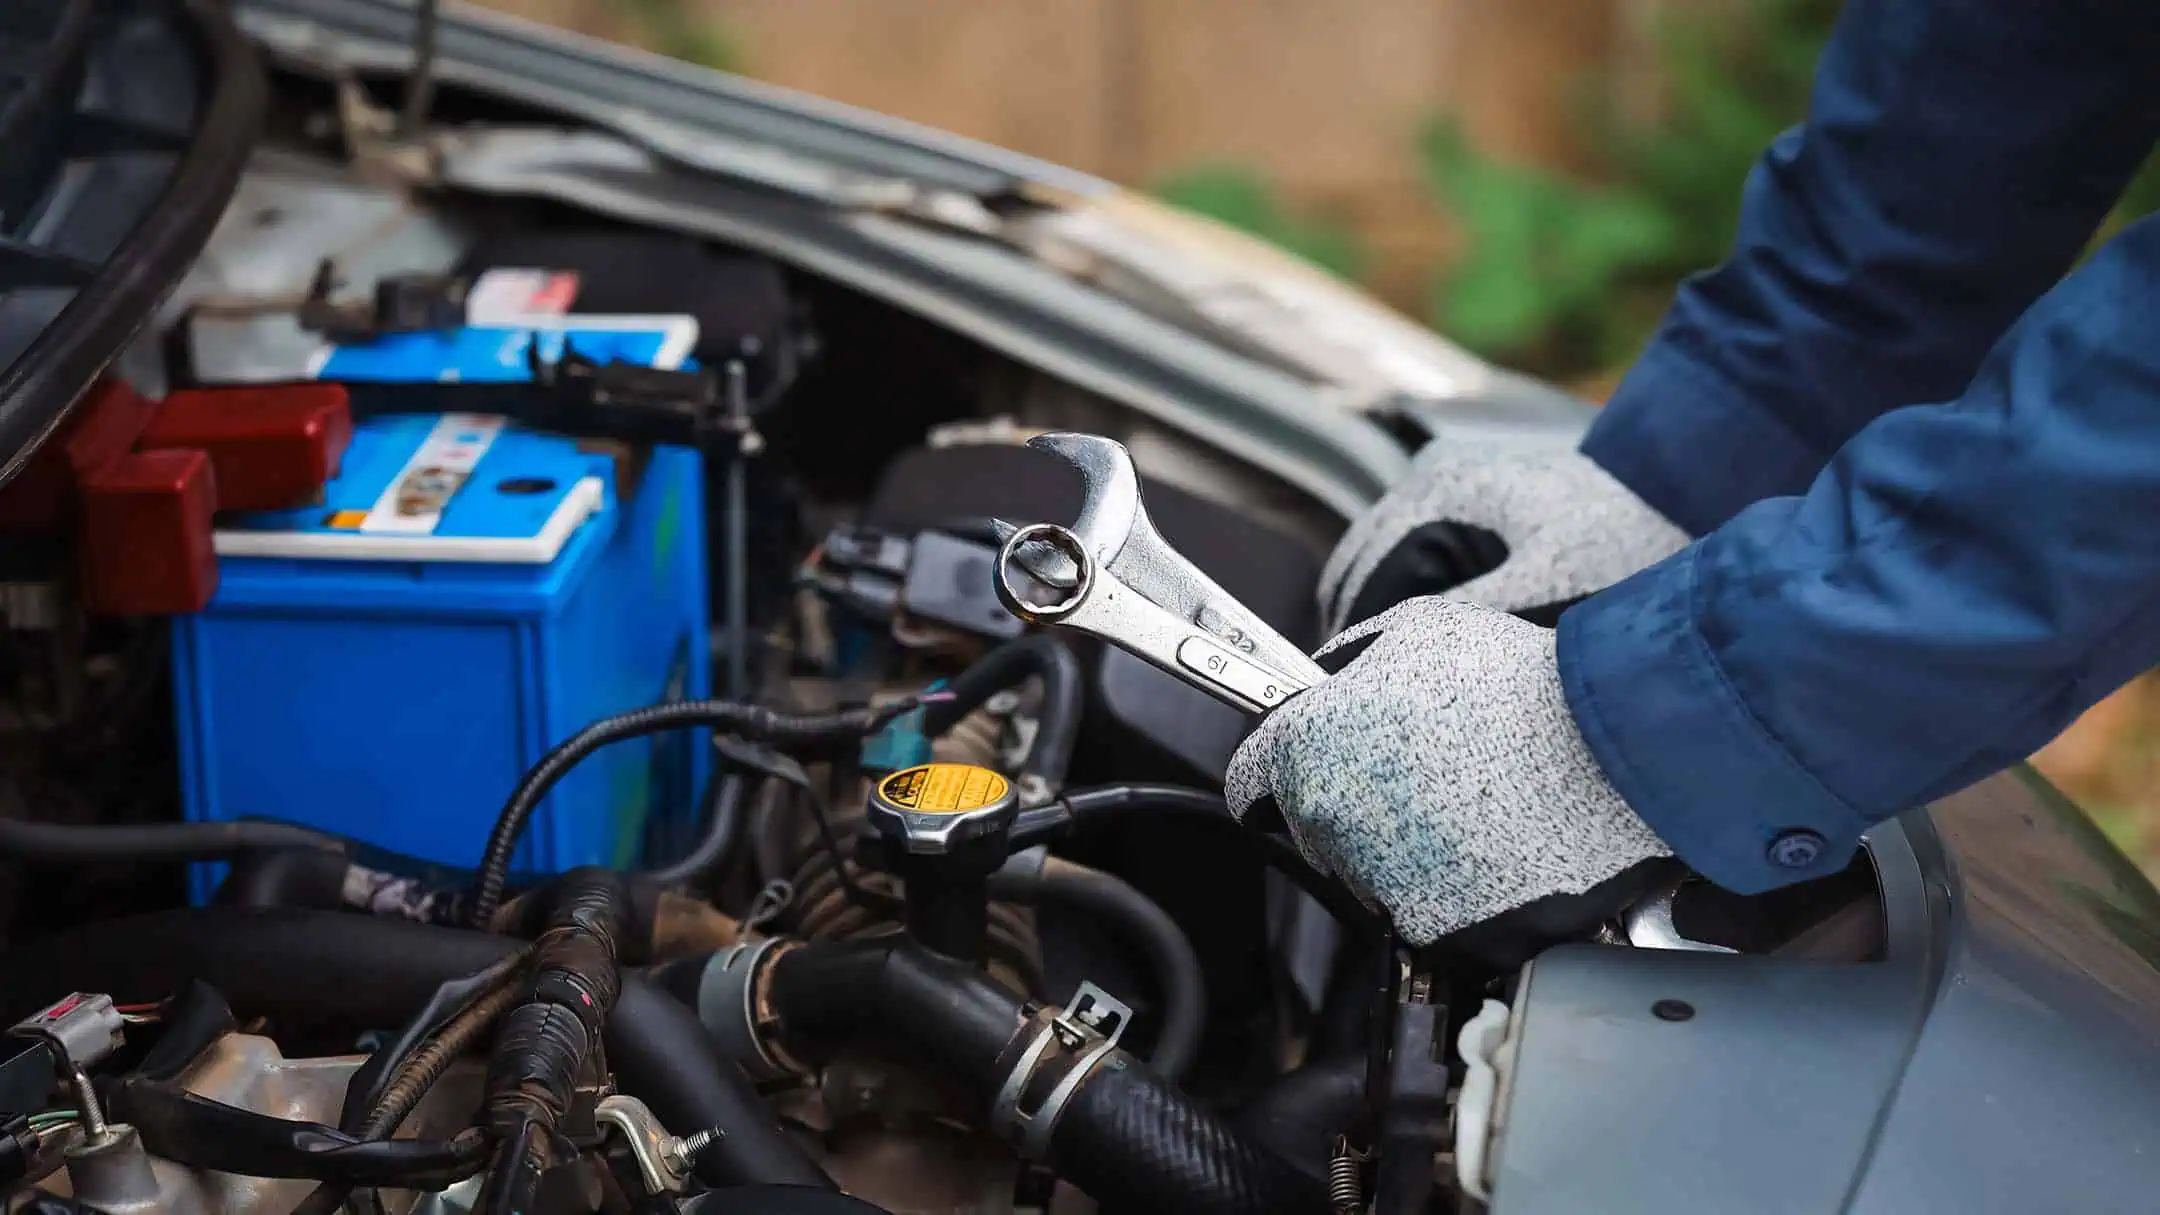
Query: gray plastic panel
x=2004, y=1058
x=2036, y=1086
x=1763, y=1101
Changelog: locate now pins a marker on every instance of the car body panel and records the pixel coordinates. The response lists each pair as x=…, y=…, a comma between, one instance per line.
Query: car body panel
x=2004, y=1055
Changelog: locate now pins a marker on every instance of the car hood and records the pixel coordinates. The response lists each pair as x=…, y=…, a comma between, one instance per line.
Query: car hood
x=1272, y=359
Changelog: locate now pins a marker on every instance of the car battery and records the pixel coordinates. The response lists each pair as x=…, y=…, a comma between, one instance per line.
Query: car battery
x=388, y=663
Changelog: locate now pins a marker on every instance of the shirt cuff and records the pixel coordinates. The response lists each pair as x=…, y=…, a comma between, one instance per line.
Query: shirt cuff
x=1692, y=444
x=1681, y=746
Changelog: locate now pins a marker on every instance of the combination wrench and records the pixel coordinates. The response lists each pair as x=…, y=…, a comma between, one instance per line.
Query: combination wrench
x=1113, y=576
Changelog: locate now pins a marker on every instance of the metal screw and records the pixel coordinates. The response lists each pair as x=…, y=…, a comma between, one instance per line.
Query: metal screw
x=86, y=1103
x=684, y=1152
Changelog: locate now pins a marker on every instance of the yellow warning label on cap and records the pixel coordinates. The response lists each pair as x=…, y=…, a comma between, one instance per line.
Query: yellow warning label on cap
x=943, y=788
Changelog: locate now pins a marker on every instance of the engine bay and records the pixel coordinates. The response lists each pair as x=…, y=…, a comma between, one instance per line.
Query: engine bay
x=535, y=731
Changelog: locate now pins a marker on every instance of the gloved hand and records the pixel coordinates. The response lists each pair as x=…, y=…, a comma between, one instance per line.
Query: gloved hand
x=1439, y=775
x=1526, y=525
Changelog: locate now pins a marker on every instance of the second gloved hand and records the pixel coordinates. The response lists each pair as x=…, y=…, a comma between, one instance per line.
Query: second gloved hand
x=1439, y=775
x=1525, y=525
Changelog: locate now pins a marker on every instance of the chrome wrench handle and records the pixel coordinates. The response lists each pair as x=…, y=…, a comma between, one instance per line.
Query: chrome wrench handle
x=1113, y=576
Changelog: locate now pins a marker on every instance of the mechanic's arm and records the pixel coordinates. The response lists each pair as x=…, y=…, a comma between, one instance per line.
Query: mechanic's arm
x=1955, y=587
x=1957, y=156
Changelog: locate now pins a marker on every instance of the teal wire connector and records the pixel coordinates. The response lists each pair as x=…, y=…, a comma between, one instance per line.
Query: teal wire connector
x=901, y=744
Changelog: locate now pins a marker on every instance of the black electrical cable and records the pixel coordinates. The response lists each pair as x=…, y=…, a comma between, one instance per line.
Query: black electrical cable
x=413, y=1063
x=550, y=1031
x=1081, y=808
x=726, y=808
x=397, y=1061
x=752, y=723
x=1058, y=726
x=420, y=85
x=410, y=1076
x=1144, y=924
x=204, y=1134
x=189, y=1024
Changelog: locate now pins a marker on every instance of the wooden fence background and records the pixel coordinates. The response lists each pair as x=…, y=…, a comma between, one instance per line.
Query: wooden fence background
x=1323, y=96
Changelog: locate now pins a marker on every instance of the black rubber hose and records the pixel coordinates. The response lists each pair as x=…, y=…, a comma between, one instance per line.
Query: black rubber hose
x=898, y=995
x=351, y=974
x=1357, y=980
x=1300, y=1114
x=1083, y=808
x=1164, y=1153
x=63, y=844
x=751, y=722
x=1058, y=730
x=726, y=807
x=287, y=877
x=678, y=1071
x=1128, y=1138
x=1143, y=924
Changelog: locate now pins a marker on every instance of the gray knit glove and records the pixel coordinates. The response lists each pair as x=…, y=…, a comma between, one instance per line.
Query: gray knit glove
x=1549, y=525
x=1439, y=773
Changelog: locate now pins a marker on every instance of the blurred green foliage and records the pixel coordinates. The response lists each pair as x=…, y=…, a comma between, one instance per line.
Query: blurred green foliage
x=1244, y=199
x=671, y=28
x=1568, y=277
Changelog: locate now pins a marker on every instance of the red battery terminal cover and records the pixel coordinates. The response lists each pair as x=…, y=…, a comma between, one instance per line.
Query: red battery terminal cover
x=270, y=448
x=143, y=480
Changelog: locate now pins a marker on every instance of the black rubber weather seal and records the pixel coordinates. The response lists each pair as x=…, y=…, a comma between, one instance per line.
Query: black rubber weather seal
x=40, y=388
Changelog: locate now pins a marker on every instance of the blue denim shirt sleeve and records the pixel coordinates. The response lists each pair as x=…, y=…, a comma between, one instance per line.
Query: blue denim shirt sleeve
x=1957, y=584
x=1956, y=157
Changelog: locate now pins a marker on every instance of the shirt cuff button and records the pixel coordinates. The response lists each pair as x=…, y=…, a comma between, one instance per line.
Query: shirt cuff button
x=1796, y=849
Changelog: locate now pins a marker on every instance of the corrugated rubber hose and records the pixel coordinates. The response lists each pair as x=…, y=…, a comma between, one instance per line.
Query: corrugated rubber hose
x=1128, y=1138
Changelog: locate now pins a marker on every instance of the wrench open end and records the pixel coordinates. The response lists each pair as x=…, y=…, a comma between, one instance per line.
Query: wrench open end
x=1110, y=499
x=1111, y=575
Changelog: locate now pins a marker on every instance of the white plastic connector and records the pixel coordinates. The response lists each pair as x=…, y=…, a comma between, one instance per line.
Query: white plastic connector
x=1487, y=1052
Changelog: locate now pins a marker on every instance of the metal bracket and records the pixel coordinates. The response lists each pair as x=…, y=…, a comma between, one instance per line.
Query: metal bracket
x=664, y=1162
x=1085, y=1031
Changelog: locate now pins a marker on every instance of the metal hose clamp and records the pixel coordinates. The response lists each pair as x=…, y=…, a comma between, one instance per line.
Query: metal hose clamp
x=1068, y=1044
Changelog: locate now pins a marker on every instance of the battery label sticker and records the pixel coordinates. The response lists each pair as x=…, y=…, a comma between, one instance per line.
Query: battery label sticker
x=507, y=293
x=944, y=788
x=413, y=505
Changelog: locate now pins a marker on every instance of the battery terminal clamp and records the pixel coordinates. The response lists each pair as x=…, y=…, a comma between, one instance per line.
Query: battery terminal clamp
x=402, y=303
